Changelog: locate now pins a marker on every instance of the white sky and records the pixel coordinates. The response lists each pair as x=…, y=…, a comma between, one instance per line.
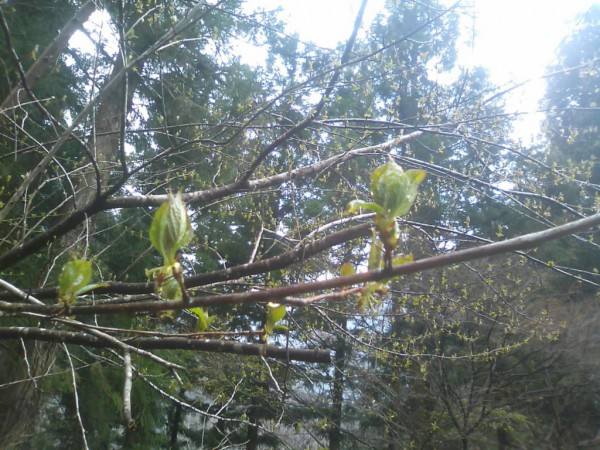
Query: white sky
x=514, y=39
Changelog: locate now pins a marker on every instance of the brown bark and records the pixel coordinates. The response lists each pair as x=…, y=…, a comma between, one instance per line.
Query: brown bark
x=287, y=294
x=299, y=253
x=199, y=197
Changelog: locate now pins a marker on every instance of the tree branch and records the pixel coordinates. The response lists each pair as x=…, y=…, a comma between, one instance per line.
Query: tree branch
x=208, y=195
x=317, y=109
x=299, y=253
x=41, y=166
x=76, y=398
x=101, y=204
x=282, y=294
x=127, y=386
x=167, y=343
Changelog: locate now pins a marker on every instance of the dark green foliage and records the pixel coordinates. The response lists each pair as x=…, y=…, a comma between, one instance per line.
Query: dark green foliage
x=99, y=391
x=571, y=128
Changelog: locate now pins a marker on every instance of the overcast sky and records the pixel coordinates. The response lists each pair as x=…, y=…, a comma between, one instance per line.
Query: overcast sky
x=514, y=39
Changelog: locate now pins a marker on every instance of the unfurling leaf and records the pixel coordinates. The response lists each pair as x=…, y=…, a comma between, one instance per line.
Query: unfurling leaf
x=171, y=228
x=74, y=275
x=347, y=269
x=395, y=190
x=275, y=313
x=73, y=280
x=170, y=289
x=369, y=296
x=355, y=205
x=204, y=319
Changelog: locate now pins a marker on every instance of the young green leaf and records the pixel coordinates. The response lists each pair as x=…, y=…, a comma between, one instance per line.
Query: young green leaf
x=165, y=283
x=355, y=205
x=171, y=229
x=204, y=319
x=170, y=289
x=275, y=313
x=395, y=190
x=280, y=328
x=347, y=269
x=73, y=280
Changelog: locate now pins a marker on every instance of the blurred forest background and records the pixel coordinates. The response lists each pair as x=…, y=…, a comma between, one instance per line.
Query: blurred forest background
x=496, y=352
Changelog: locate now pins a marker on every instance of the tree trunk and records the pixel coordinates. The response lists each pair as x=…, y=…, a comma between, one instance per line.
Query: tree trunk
x=335, y=420
x=175, y=426
x=252, y=436
x=504, y=438
x=46, y=60
x=20, y=401
x=20, y=397
x=104, y=145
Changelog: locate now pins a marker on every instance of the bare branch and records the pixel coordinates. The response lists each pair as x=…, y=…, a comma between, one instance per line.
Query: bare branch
x=99, y=204
x=300, y=252
x=18, y=292
x=317, y=109
x=208, y=195
x=282, y=294
x=192, y=15
x=120, y=344
x=167, y=343
x=75, y=394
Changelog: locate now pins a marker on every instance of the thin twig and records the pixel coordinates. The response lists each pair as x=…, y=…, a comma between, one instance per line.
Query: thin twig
x=18, y=292
x=271, y=376
x=77, y=412
x=119, y=343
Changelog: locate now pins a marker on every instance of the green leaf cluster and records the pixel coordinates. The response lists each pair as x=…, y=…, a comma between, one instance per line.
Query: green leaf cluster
x=394, y=192
x=170, y=231
x=204, y=319
x=171, y=228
